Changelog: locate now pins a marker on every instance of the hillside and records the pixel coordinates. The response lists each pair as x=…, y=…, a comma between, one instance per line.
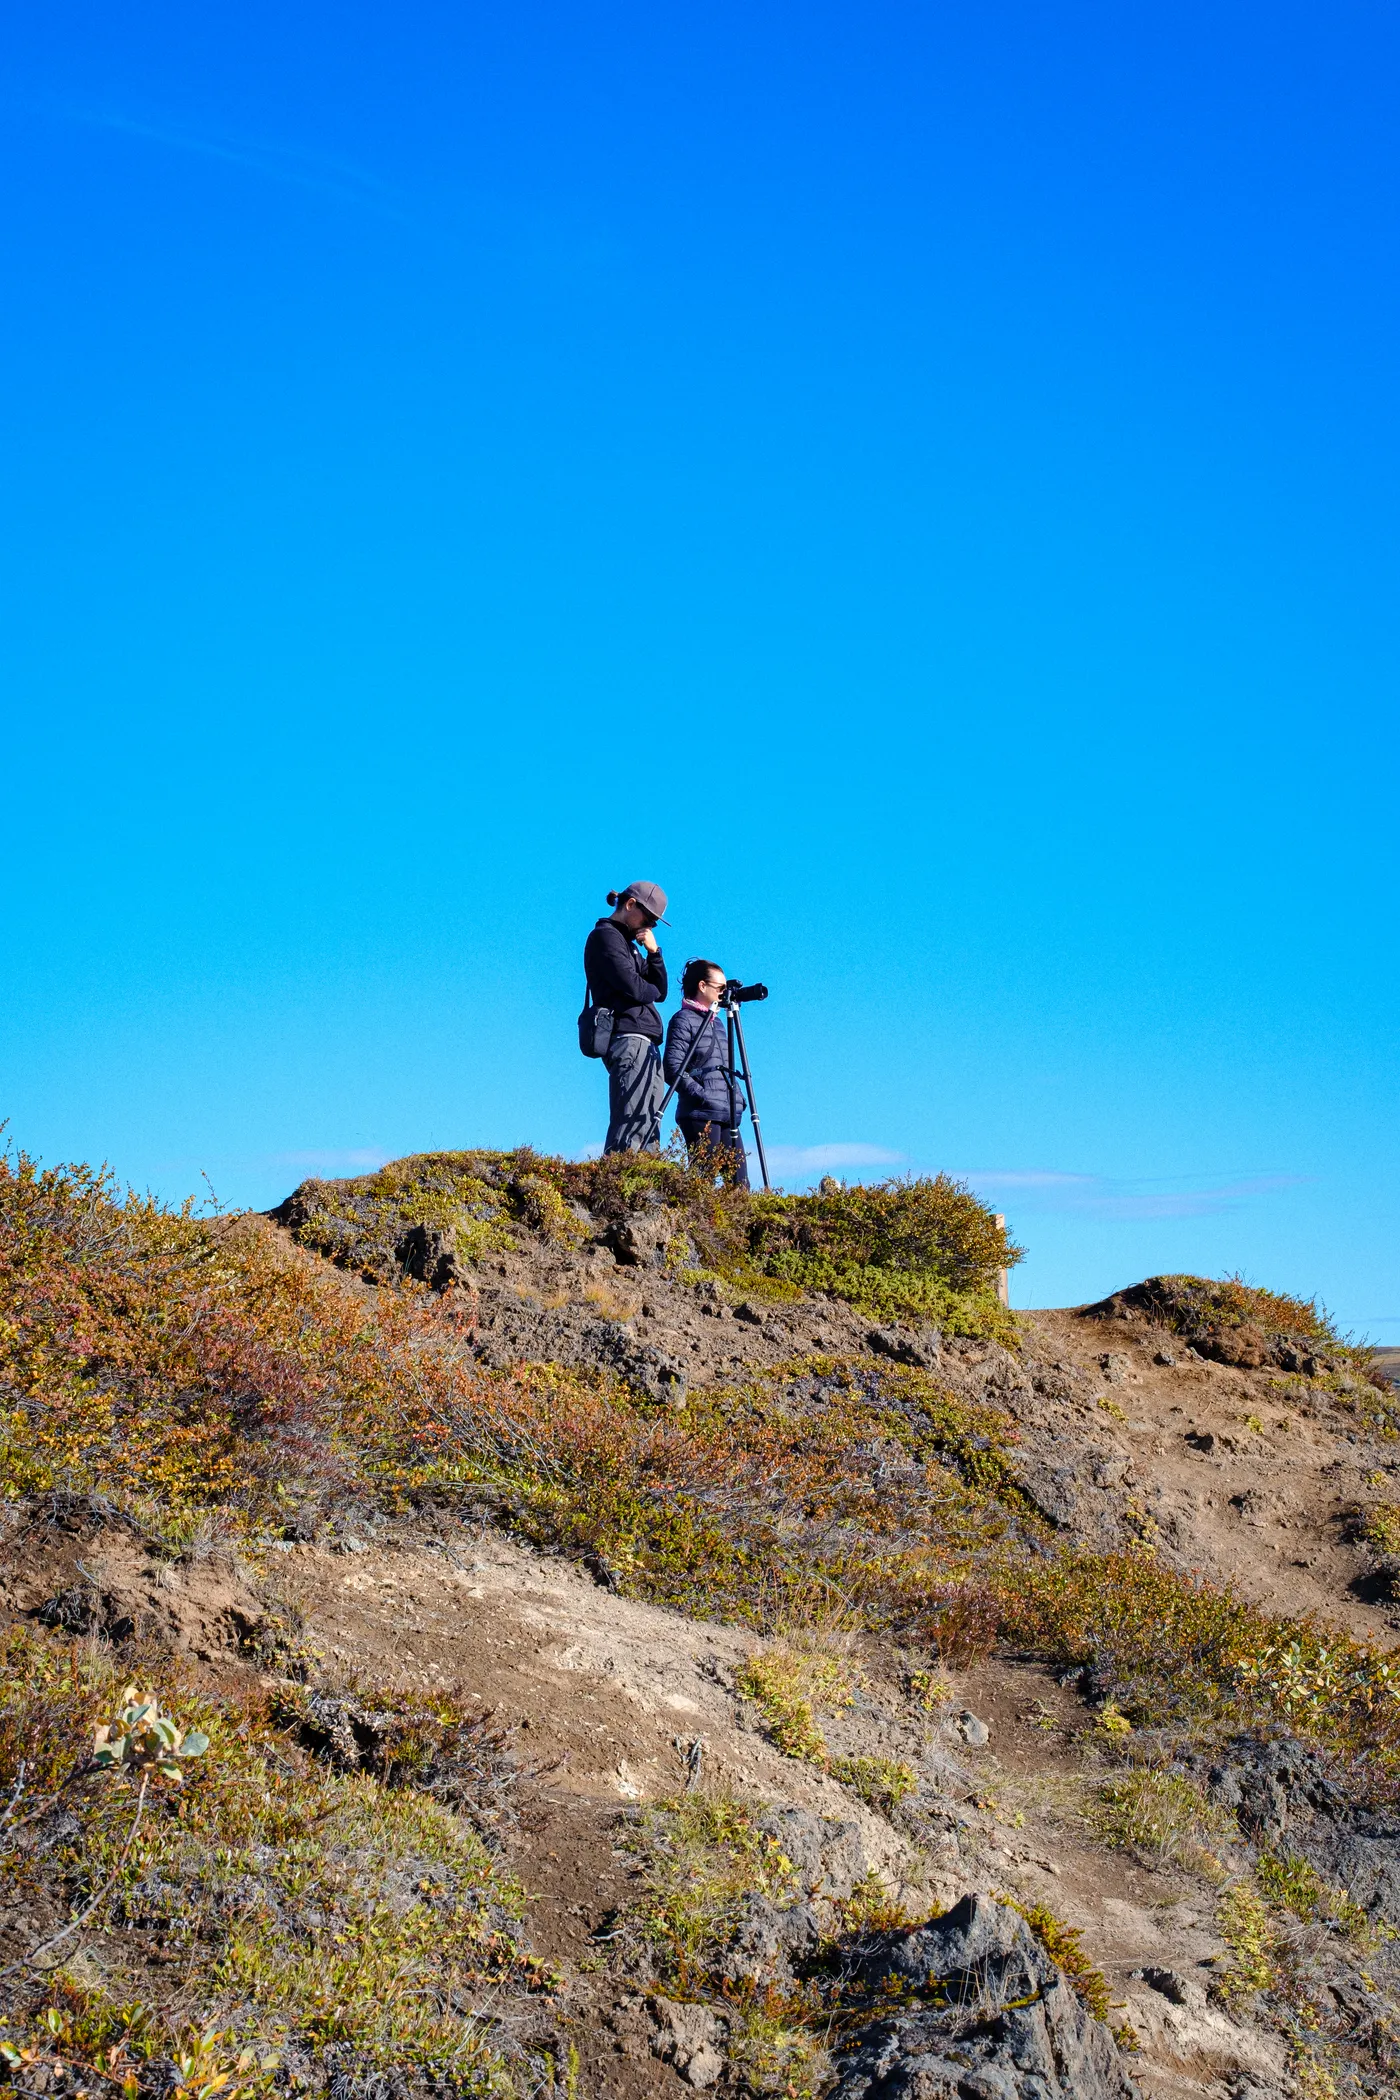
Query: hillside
x=632, y=1638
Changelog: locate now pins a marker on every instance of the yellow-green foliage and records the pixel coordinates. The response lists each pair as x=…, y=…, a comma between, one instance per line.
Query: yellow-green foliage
x=1161, y=1814
x=1192, y=1304
x=873, y=1907
x=1295, y=1885
x=1186, y=1651
x=775, y=2042
x=882, y=1782
x=788, y=1685
x=739, y=1504
x=200, y=1374
x=1243, y=1921
x=327, y=1908
x=1312, y=2078
x=699, y=1858
x=908, y=1249
x=359, y=1223
x=1061, y=1943
x=1381, y=1527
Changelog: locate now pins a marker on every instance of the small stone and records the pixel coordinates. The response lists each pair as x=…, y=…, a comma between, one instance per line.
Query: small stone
x=974, y=1732
x=1164, y=1356
x=1181, y=1990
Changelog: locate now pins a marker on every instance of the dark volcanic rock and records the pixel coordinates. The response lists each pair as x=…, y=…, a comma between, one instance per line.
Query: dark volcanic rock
x=430, y=1256
x=988, y=2017
x=771, y=1938
x=921, y=1347
x=1284, y=1797
x=509, y=1330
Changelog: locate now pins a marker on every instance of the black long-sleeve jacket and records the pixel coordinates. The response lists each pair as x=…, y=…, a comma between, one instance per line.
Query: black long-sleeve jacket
x=626, y=978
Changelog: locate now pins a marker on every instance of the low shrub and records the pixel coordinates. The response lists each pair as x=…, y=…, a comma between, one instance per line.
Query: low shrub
x=923, y=1250
x=1176, y=1650
x=699, y=1859
x=786, y=1687
x=1294, y=1885
x=1243, y=1922
x=333, y=1912
x=881, y=1782
x=1380, y=1527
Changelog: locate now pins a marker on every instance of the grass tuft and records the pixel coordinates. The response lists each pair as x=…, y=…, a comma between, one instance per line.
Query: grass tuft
x=1161, y=1815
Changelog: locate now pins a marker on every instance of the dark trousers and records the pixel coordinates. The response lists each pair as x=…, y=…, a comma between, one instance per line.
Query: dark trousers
x=722, y=1145
x=635, y=1088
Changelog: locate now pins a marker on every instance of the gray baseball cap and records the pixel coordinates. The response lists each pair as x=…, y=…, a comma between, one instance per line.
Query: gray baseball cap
x=651, y=897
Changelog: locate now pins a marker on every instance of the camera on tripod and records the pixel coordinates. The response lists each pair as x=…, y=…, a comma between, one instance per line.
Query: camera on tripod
x=734, y=995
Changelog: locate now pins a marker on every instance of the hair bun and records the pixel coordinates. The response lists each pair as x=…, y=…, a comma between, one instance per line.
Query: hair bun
x=612, y=896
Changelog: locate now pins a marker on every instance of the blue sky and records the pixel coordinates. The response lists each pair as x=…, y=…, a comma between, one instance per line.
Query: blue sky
x=918, y=481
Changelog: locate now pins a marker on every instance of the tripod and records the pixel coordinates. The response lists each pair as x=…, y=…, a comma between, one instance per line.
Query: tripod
x=739, y=1076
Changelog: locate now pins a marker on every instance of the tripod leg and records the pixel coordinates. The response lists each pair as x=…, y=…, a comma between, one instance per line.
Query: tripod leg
x=736, y=1028
x=666, y=1102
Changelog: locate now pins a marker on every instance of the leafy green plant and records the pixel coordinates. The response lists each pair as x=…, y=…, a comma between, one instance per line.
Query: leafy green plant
x=1186, y=1652
x=1294, y=1884
x=144, y=1741
x=1243, y=1920
x=1381, y=1527
x=787, y=1685
x=881, y=1782
x=225, y=1866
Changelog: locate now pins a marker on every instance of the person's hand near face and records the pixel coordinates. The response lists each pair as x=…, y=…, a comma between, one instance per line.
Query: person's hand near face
x=638, y=922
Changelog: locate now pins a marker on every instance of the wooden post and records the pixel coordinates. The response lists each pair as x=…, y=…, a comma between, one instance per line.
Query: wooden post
x=1003, y=1275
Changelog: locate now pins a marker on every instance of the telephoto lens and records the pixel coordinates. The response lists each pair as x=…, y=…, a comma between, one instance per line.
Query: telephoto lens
x=736, y=991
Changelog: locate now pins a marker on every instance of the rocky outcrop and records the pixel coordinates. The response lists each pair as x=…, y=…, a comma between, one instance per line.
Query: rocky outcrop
x=1285, y=1798
x=1194, y=1308
x=987, y=2016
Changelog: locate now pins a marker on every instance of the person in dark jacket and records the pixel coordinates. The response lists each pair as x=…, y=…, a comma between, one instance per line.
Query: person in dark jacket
x=708, y=1102
x=626, y=972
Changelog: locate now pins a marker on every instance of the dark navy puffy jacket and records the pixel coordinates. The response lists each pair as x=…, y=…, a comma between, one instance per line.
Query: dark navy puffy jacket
x=703, y=1095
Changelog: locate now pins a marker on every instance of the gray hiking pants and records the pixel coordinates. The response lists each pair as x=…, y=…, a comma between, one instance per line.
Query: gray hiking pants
x=635, y=1090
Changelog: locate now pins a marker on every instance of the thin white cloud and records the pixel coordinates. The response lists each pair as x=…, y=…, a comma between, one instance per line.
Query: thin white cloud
x=319, y=172
x=819, y=1159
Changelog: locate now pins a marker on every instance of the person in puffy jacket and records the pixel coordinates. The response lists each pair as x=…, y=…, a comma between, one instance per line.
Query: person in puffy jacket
x=708, y=1102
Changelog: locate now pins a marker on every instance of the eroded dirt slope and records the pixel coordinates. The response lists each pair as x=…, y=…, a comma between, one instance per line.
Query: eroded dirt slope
x=1253, y=1475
